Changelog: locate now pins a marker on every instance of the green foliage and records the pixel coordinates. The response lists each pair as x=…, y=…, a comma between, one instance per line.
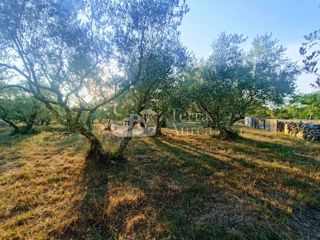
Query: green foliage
x=166, y=59
x=232, y=81
x=306, y=106
x=79, y=56
x=21, y=111
x=310, y=52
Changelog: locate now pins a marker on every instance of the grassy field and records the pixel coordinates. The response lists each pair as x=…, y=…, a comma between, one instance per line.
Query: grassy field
x=262, y=186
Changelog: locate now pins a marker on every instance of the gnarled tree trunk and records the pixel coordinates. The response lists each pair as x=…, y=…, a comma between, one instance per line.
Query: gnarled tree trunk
x=29, y=124
x=96, y=151
x=119, y=155
x=159, y=124
x=227, y=133
x=13, y=125
x=24, y=129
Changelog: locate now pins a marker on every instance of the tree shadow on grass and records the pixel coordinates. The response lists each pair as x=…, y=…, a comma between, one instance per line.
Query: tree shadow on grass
x=261, y=156
x=294, y=155
x=169, y=181
x=303, y=164
x=177, y=181
x=92, y=222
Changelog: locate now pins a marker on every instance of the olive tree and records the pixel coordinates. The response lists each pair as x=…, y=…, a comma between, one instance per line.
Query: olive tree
x=79, y=56
x=310, y=50
x=232, y=80
x=166, y=66
x=307, y=106
x=19, y=111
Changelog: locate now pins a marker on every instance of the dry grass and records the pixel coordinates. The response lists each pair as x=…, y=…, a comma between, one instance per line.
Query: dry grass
x=39, y=186
x=262, y=186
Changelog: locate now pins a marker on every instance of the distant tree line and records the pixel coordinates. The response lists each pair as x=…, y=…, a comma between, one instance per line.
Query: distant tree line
x=304, y=106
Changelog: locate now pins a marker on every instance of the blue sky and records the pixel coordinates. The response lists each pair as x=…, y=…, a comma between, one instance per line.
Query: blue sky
x=287, y=20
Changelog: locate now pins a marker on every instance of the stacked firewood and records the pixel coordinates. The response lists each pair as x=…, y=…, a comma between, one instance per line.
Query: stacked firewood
x=307, y=131
x=295, y=127
x=311, y=132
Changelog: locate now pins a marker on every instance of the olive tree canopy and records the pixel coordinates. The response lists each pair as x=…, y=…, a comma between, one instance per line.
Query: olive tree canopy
x=232, y=80
x=77, y=56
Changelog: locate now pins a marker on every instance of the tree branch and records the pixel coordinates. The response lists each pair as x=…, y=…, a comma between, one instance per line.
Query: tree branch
x=15, y=68
x=16, y=86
